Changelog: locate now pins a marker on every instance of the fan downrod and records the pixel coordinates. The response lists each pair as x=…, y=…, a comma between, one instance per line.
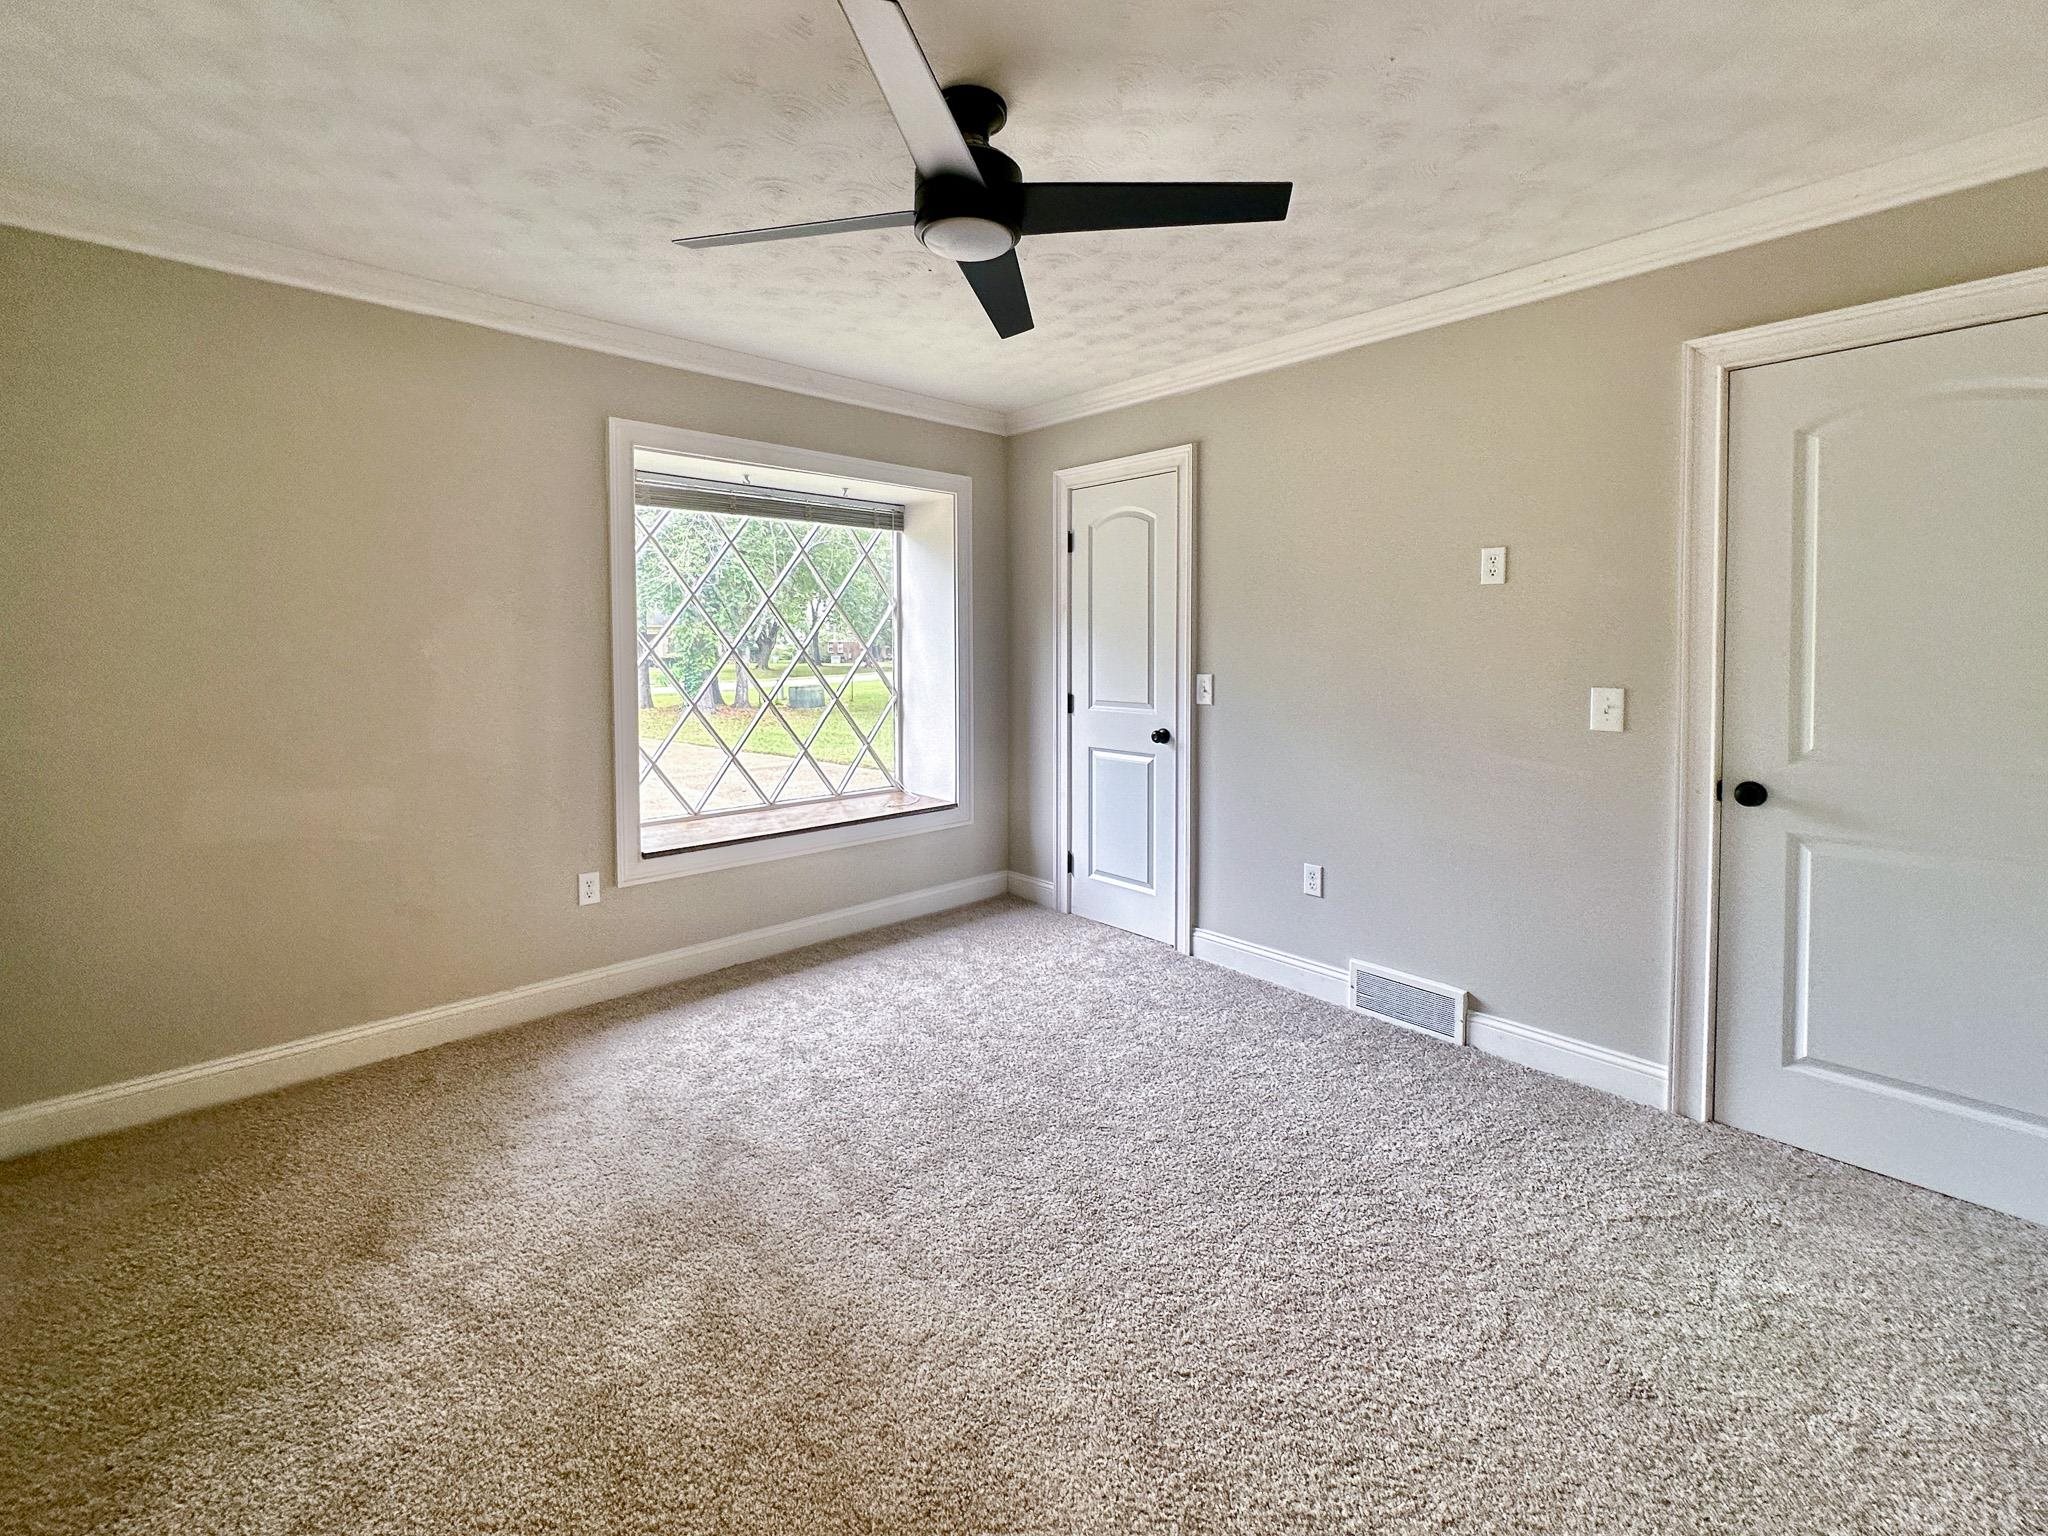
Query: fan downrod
x=979, y=111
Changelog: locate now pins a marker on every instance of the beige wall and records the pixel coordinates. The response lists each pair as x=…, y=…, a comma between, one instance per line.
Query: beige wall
x=303, y=658
x=304, y=701
x=1381, y=713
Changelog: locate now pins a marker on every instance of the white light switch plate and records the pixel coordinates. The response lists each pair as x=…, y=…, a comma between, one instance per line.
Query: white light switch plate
x=586, y=889
x=1610, y=708
x=1205, y=688
x=1493, y=566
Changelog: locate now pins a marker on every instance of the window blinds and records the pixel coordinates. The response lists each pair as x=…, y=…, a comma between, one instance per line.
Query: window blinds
x=685, y=493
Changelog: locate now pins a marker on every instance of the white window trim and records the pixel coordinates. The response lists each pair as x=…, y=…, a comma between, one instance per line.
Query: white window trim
x=943, y=521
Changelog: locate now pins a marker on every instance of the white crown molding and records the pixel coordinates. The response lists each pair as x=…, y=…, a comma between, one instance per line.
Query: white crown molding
x=139, y=1100
x=53, y=212
x=1951, y=168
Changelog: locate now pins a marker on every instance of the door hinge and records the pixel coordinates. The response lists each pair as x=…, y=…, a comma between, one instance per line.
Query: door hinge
x=1070, y=703
x=1070, y=541
x=1070, y=863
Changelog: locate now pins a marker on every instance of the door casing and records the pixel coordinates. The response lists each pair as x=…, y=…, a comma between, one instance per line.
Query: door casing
x=1702, y=533
x=1181, y=461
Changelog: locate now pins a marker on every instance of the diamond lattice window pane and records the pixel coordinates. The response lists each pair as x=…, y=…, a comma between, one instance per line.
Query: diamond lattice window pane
x=727, y=728
x=865, y=602
x=767, y=662
x=866, y=779
x=660, y=594
x=769, y=751
x=880, y=549
x=870, y=762
x=833, y=553
x=681, y=548
x=800, y=705
x=767, y=545
x=836, y=743
x=806, y=783
x=689, y=765
x=729, y=596
x=881, y=562
x=731, y=697
x=872, y=703
x=733, y=792
x=801, y=598
x=768, y=649
x=658, y=697
x=661, y=713
x=656, y=801
x=687, y=653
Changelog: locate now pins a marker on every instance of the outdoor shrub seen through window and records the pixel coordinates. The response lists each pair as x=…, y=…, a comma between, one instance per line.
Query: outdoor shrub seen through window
x=767, y=667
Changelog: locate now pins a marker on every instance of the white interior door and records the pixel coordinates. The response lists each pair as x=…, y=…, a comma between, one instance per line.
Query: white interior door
x=1124, y=678
x=1883, y=993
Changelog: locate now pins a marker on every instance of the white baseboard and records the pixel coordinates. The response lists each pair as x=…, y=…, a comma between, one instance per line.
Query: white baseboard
x=1324, y=982
x=162, y=1094
x=1628, y=1077
x=1031, y=888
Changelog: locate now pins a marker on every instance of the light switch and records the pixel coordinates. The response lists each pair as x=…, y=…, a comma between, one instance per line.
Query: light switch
x=1205, y=688
x=1610, y=706
x=1493, y=566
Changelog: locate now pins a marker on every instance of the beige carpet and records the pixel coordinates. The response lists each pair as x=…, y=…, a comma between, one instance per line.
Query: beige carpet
x=998, y=1222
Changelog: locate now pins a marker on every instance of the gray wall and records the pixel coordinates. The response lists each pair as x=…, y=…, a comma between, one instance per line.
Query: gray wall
x=1380, y=712
x=304, y=662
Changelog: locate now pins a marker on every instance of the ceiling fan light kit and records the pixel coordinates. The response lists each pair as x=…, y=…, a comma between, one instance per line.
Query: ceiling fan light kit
x=972, y=204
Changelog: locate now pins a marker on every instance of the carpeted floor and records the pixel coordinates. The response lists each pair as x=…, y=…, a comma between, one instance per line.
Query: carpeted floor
x=998, y=1222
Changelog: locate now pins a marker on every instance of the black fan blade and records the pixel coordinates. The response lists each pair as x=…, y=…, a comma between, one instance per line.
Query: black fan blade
x=999, y=284
x=1066, y=207
x=800, y=231
x=937, y=147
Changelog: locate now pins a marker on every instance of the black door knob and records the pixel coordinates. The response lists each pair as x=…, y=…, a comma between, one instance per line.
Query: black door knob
x=1162, y=735
x=1749, y=792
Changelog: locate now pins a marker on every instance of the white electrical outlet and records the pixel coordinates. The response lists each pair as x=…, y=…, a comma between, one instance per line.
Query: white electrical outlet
x=1205, y=688
x=1311, y=879
x=586, y=889
x=1610, y=709
x=1493, y=566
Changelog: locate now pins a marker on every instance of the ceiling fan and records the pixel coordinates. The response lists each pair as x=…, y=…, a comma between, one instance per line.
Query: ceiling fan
x=972, y=203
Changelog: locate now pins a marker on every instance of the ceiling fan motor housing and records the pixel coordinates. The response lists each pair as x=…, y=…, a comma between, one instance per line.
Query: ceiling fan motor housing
x=957, y=219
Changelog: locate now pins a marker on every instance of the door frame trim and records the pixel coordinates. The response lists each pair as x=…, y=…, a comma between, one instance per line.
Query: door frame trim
x=1707, y=364
x=1181, y=460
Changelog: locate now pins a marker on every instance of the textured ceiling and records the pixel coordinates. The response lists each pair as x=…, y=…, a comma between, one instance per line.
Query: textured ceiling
x=546, y=152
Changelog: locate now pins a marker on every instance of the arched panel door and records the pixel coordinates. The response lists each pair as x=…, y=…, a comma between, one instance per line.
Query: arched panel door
x=1123, y=629
x=1883, y=992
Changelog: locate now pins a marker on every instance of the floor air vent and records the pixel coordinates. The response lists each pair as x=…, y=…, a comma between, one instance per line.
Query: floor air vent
x=1427, y=1007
